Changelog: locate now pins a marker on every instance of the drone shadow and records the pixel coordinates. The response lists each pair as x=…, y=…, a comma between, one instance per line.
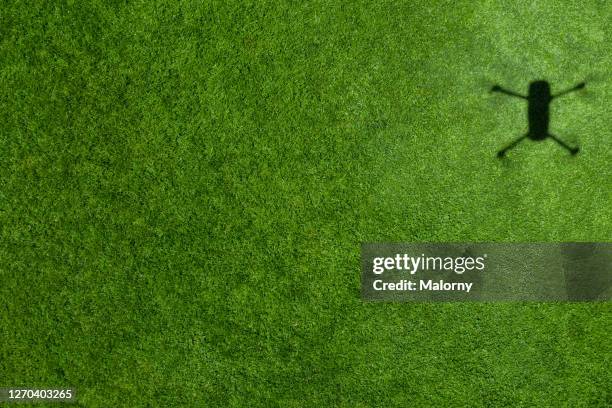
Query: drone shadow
x=538, y=101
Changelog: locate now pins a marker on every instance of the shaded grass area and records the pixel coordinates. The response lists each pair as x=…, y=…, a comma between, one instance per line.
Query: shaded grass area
x=184, y=189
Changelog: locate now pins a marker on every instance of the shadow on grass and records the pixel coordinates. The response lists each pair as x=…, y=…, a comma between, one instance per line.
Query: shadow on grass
x=538, y=114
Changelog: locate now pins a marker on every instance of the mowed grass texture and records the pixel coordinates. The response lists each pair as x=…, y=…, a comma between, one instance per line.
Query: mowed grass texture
x=184, y=187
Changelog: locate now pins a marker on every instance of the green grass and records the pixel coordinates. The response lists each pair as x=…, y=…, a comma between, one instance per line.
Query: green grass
x=184, y=188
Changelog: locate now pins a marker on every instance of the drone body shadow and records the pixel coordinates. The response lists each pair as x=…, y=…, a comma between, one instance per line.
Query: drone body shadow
x=538, y=113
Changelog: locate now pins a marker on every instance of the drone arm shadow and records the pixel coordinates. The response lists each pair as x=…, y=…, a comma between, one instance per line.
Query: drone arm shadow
x=516, y=141
x=573, y=89
x=499, y=89
x=572, y=150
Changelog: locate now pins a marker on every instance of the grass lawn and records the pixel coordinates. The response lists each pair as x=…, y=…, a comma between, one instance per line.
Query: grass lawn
x=184, y=187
